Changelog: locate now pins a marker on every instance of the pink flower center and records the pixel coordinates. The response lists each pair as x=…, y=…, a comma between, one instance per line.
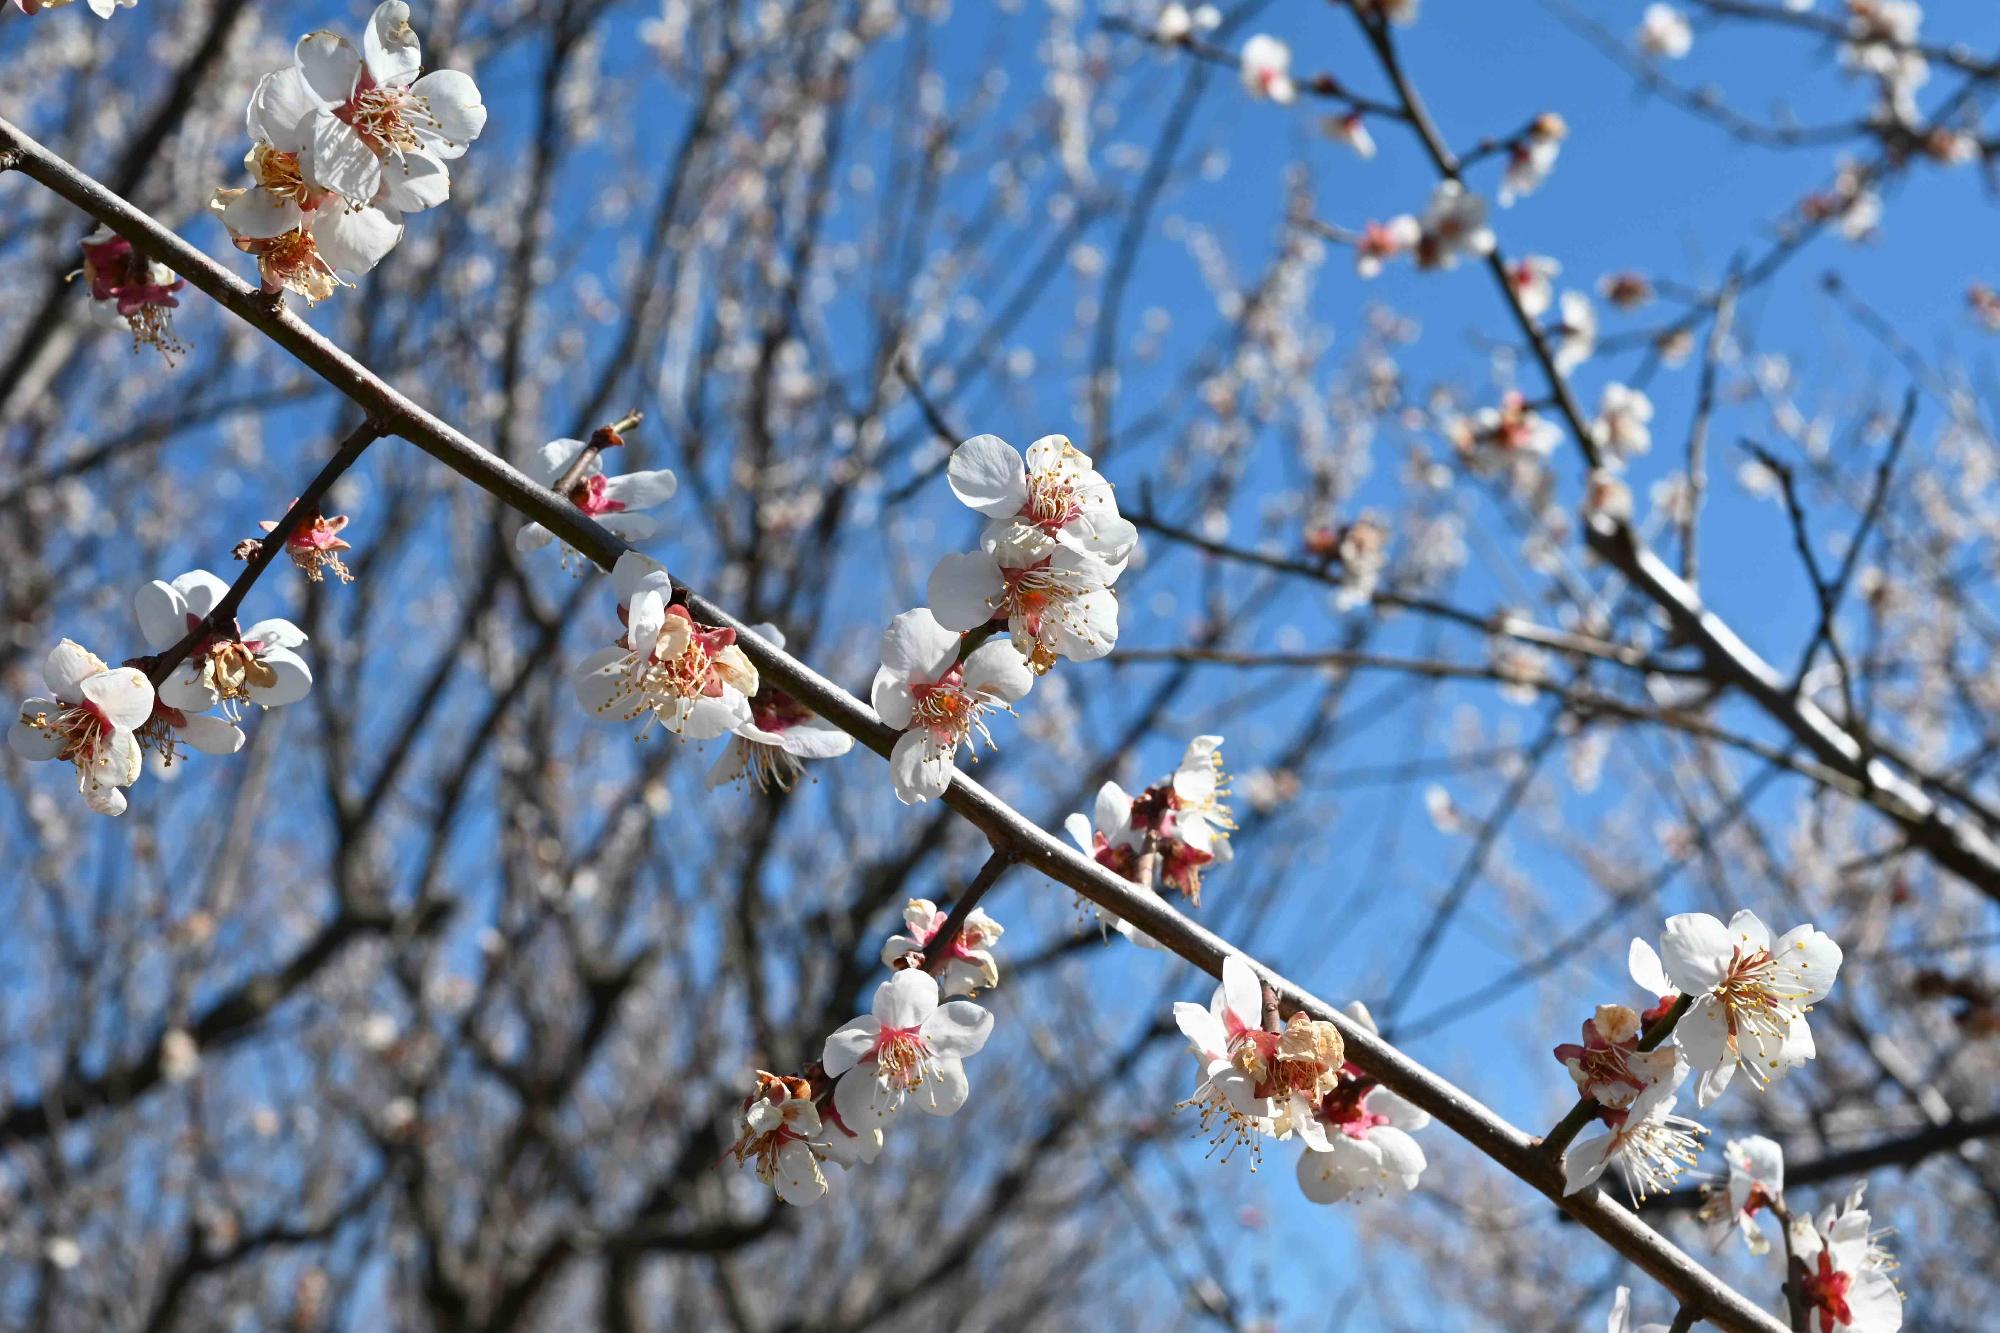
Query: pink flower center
x=589, y=496
x=899, y=1056
x=1826, y=1291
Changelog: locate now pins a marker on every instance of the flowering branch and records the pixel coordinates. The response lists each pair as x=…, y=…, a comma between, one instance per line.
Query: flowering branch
x=938, y=952
x=1586, y=1108
x=1505, y=1144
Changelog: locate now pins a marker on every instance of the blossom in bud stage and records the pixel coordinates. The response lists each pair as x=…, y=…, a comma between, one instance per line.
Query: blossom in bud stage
x=315, y=546
x=613, y=501
x=1621, y=1316
x=1365, y=1146
x=1651, y=1145
x=1511, y=430
x=227, y=668
x=1532, y=157
x=1233, y=1050
x=1533, y=280
x=1383, y=241
x=1756, y=1181
x=1847, y=1287
x=362, y=124
x=1351, y=130
x=938, y=702
x=909, y=1048
x=690, y=677
x=768, y=750
x=128, y=289
x=779, y=1124
x=1267, y=69
x=90, y=718
x=1177, y=23
x=970, y=968
x=1453, y=225
x=1751, y=995
x=1626, y=291
x=1052, y=498
x=1624, y=421
x=1060, y=606
x=1608, y=1066
x=1576, y=335
x=1664, y=33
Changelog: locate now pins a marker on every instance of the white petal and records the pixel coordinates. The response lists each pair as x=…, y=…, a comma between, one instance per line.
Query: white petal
x=907, y=999
x=998, y=669
x=532, y=537
x=1585, y=1162
x=118, y=762
x=957, y=1029
x=1202, y=1028
x=201, y=591
x=354, y=240
x=894, y=703
x=390, y=47
x=1402, y=1158
x=1242, y=993
x=987, y=474
x=274, y=633
x=330, y=65
x=945, y=1090
x=604, y=685
x=454, y=104
x=1811, y=957
x=105, y=800
x=556, y=457
x=279, y=108
x=917, y=648
x=1748, y=932
x=710, y=718
x=184, y=690
x=162, y=614
x=33, y=743
x=258, y=213
x=294, y=679
x=849, y=1042
x=1091, y=629
x=1644, y=964
x=864, y=1102
x=1695, y=951
x=70, y=664
x=641, y=490
x=965, y=590
x=635, y=573
x=339, y=159
x=815, y=738
x=797, y=1177
x=211, y=735
x=920, y=768
x=123, y=695
x=644, y=619
x=416, y=182
x=1321, y=1179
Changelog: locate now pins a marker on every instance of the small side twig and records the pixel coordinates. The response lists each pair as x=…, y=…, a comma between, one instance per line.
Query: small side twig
x=1585, y=1110
x=938, y=952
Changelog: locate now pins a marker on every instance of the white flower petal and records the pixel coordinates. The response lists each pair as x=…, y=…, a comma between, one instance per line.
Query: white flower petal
x=354, y=240
x=162, y=615
x=339, y=159
x=454, y=104
x=70, y=664
x=957, y=1029
x=945, y=1091
x=917, y=648
x=988, y=475
x=907, y=1000
x=849, y=1042
x=294, y=679
x=211, y=735
x=965, y=589
x=997, y=669
x=1695, y=951
x=389, y=47
x=330, y=65
x=122, y=695
x=279, y=108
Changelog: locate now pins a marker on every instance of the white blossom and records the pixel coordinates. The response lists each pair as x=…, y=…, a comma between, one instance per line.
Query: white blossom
x=938, y=702
x=1651, y=1145
x=1267, y=69
x=229, y=667
x=1847, y=1286
x=908, y=1047
x=971, y=967
x=1453, y=225
x=1664, y=33
x=691, y=678
x=1624, y=420
x=1756, y=1182
x=613, y=501
x=770, y=748
x=89, y=718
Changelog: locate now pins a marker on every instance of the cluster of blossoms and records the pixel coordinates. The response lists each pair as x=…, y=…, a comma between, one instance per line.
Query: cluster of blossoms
x=1052, y=546
x=908, y=1050
x=1728, y=998
x=1265, y=1079
x=1453, y=226
x=1172, y=831
x=104, y=719
x=1882, y=45
x=131, y=291
x=343, y=144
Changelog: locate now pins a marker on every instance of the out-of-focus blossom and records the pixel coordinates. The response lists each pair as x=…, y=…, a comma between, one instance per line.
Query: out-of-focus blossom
x=1621, y=1316
x=1664, y=33
x=1623, y=425
x=1383, y=241
x=1267, y=69
x=1351, y=130
x=1177, y=23
x=1985, y=303
x=1453, y=225
x=1532, y=157
x=1533, y=280
x=1576, y=334
x=1756, y=1182
x=1511, y=430
x=1625, y=291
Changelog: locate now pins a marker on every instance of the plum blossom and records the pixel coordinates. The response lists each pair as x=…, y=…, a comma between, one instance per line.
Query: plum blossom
x=1366, y=1142
x=1177, y=23
x=1060, y=606
x=779, y=1124
x=908, y=1047
x=1267, y=69
x=1453, y=225
x=1533, y=280
x=1511, y=430
x=613, y=502
x=104, y=9
x=1608, y=1065
x=1115, y=842
x=315, y=546
x=1351, y=130
x=1664, y=33
x=1626, y=291
x=1651, y=1145
x=306, y=256
x=1606, y=496
x=1624, y=421
x=1532, y=157
x=90, y=718
x=1192, y=825
x=1846, y=1284
x=1256, y=1081
x=128, y=289
x=938, y=702
x=691, y=678
x=1621, y=1316
x=971, y=967
x=1751, y=995
x=1382, y=241
x=227, y=666
x=1052, y=498
x=362, y=124
x=768, y=750
x=1756, y=1182
x=1576, y=333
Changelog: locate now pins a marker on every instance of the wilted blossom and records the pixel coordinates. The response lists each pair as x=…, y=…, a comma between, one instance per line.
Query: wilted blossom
x=778, y=1125
x=315, y=546
x=768, y=750
x=1257, y=1081
x=227, y=666
x=1365, y=1147
x=1608, y=1065
x=128, y=289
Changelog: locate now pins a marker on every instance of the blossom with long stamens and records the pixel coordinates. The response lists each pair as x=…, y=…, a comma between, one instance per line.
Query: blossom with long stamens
x=1847, y=1287
x=938, y=702
x=1608, y=1066
x=971, y=967
x=779, y=1124
x=1052, y=497
x=689, y=677
x=1229, y=1042
x=362, y=123
x=1756, y=1182
x=1059, y=606
x=1364, y=1145
x=1751, y=995
x=769, y=750
x=1651, y=1145
x=227, y=667
x=908, y=1048
x=90, y=718
x=315, y=546
x=307, y=255
x=613, y=501
x=1194, y=823
x=130, y=290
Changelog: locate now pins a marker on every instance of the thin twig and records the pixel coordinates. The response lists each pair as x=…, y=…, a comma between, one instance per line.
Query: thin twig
x=938, y=952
